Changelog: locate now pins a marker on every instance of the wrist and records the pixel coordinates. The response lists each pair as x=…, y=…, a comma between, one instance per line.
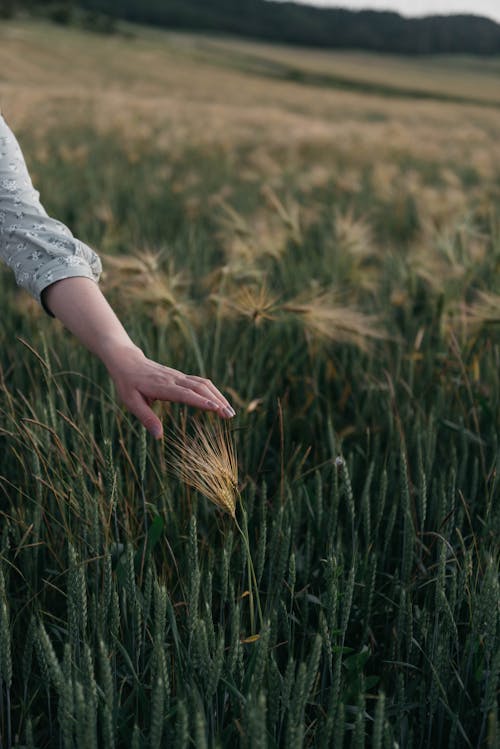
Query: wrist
x=115, y=351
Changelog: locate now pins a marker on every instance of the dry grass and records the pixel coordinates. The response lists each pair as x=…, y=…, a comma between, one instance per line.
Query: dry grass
x=325, y=218
x=146, y=278
x=323, y=316
x=136, y=88
x=310, y=152
x=166, y=91
x=485, y=310
x=438, y=75
x=255, y=302
x=206, y=461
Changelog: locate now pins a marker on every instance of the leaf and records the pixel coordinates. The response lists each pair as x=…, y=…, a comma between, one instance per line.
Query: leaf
x=357, y=662
x=154, y=533
x=313, y=599
x=338, y=649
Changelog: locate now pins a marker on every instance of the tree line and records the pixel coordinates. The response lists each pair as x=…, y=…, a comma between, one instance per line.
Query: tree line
x=294, y=23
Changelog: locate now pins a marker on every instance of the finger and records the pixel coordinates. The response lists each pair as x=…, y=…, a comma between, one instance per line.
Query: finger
x=200, y=387
x=185, y=380
x=179, y=394
x=137, y=405
x=210, y=385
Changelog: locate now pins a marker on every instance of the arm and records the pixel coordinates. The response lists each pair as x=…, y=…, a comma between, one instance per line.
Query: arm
x=62, y=274
x=80, y=305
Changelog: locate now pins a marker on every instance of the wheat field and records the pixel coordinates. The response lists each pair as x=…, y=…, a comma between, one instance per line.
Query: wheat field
x=318, y=233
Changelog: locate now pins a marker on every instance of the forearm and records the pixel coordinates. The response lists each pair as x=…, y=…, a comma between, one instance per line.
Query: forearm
x=82, y=308
x=79, y=304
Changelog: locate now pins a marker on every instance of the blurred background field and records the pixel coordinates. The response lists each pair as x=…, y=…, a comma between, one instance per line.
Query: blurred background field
x=319, y=233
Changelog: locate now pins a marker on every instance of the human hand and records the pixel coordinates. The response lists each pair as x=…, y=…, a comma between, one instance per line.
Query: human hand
x=82, y=308
x=140, y=381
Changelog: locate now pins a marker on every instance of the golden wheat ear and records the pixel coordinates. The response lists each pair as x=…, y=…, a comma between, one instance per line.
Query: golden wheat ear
x=205, y=459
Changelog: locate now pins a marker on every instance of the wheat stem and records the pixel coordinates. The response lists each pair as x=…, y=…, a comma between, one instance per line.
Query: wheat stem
x=252, y=580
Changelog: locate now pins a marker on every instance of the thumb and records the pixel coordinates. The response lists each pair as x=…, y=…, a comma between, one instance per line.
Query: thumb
x=138, y=405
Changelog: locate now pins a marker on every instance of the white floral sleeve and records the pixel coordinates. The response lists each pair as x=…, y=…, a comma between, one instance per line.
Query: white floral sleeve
x=39, y=249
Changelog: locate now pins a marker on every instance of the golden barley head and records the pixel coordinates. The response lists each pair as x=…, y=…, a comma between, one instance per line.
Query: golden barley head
x=205, y=459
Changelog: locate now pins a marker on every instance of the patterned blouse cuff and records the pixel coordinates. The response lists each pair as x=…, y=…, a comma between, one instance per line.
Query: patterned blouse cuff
x=54, y=271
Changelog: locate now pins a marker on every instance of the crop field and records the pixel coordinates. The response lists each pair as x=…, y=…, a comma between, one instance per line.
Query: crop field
x=320, y=235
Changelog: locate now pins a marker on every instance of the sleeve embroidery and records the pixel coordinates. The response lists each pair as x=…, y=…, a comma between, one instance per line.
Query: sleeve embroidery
x=39, y=249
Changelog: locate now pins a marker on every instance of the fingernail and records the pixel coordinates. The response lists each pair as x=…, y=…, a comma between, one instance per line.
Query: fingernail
x=212, y=404
x=156, y=431
x=231, y=410
x=228, y=412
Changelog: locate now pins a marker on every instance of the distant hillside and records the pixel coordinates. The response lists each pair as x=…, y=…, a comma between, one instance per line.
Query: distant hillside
x=321, y=27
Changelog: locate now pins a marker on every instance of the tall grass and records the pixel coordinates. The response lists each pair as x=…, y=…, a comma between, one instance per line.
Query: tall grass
x=351, y=320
